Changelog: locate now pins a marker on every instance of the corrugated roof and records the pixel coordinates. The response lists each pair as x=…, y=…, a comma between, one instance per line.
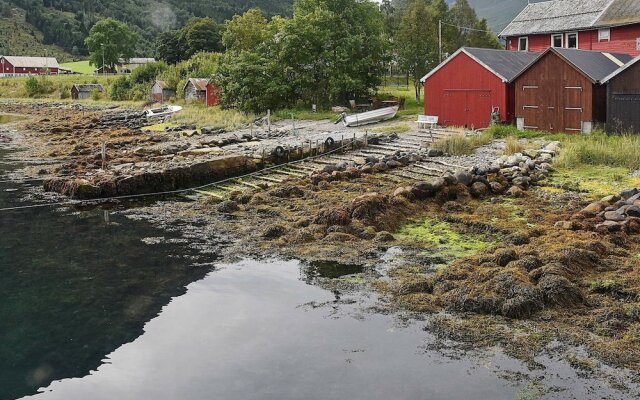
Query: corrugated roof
x=556, y=16
x=136, y=60
x=620, y=12
x=89, y=87
x=621, y=70
x=507, y=64
x=594, y=64
x=33, y=62
x=199, y=83
x=504, y=64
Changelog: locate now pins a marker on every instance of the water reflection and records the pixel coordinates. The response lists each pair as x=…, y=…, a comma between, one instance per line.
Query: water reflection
x=75, y=287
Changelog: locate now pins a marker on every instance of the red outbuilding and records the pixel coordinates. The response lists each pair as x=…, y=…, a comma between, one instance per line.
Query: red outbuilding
x=200, y=89
x=472, y=84
x=23, y=66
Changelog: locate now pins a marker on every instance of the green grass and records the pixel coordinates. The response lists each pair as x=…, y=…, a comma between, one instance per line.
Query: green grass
x=14, y=88
x=460, y=144
x=600, y=149
x=398, y=128
x=81, y=67
x=20, y=38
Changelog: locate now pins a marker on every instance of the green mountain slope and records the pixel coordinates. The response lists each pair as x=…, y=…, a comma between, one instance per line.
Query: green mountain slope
x=66, y=23
x=498, y=12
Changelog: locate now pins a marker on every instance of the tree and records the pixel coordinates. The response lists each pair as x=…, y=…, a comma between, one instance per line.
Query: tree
x=109, y=41
x=482, y=36
x=201, y=35
x=246, y=31
x=333, y=50
x=463, y=15
x=170, y=47
x=417, y=42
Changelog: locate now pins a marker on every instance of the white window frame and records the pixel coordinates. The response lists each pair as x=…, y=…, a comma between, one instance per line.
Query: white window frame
x=553, y=36
x=526, y=39
x=603, y=38
x=567, y=40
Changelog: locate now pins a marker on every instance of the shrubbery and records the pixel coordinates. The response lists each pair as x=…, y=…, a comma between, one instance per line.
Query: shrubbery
x=35, y=87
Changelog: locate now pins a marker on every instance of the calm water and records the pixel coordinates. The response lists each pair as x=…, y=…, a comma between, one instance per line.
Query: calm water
x=90, y=310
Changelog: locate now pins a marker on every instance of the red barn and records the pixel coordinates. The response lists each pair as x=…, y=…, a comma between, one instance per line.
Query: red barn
x=23, y=66
x=467, y=87
x=562, y=91
x=599, y=25
x=199, y=89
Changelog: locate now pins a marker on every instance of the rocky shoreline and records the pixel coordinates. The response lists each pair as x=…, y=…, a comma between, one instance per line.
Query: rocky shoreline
x=542, y=265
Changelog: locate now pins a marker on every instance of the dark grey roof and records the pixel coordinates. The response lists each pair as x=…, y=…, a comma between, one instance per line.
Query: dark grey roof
x=505, y=63
x=621, y=70
x=89, y=87
x=594, y=64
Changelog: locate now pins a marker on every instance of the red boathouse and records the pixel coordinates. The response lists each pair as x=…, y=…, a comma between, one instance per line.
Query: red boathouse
x=23, y=66
x=471, y=84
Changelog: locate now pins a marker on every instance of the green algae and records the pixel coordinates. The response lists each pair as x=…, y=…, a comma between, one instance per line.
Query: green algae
x=444, y=240
x=595, y=181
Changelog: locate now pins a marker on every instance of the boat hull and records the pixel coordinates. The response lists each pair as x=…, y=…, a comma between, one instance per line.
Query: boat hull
x=370, y=117
x=162, y=111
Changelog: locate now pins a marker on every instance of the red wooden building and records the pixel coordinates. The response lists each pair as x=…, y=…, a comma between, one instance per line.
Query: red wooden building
x=599, y=25
x=467, y=87
x=23, y=66
x=200, y=89
x=562, y=90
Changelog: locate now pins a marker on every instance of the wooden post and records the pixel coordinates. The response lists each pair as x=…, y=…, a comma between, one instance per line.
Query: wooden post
x=269, y=120
x=366, y=139
x=104, y=155
x=353, y=143
x=317, y=147
x=263, y=160
x=342, y=144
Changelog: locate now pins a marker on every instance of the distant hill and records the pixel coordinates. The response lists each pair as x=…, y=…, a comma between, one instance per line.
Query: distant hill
x=498, y=12
x=62, y=25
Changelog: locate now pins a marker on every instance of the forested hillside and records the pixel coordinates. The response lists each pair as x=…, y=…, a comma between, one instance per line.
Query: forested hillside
x=66, y=23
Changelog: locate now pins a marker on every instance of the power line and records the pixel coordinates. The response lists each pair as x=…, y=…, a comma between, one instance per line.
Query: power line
x=467, y=28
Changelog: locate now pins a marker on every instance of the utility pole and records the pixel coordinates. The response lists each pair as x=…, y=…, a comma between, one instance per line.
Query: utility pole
x=440, y=39
x=104, y=71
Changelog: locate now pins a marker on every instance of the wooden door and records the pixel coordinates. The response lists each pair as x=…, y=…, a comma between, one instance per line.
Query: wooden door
x=573, y=108
x=531, y=106
x=454, y=108
x=478, y=108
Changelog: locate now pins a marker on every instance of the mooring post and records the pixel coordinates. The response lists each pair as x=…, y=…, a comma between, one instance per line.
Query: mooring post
x=317, y=147
x=353, y=144
x=342, y=144
x=106, y=216
x=269, y=120
x=104, y=155
x=366, y=139
x=310, y=148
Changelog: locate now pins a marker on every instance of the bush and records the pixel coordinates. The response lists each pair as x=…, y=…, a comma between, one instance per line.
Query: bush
x=38, y=86
x=513, y=146
x=96, y=95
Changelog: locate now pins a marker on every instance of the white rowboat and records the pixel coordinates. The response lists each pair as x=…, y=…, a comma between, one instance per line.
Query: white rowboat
x=370, y=117
x=164, y=111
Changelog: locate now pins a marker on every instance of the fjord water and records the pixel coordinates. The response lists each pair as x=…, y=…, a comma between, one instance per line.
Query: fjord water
x=91, y=311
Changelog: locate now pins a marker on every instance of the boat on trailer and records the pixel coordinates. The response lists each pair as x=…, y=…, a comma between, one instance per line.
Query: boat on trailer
x=370, y=117
x=163, y=111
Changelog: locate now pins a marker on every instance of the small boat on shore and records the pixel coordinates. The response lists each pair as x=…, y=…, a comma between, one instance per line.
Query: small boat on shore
x=163, y=111
x=370, y=117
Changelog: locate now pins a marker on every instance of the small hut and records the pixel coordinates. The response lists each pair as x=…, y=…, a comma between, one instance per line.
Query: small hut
x=201, y=90
x=623, y=99
x=83, y=91
x=160, y=92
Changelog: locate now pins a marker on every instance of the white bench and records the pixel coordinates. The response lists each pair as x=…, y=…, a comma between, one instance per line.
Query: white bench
x=424, y=120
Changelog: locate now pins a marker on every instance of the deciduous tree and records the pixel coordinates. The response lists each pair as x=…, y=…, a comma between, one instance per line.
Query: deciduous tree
x=109, y=41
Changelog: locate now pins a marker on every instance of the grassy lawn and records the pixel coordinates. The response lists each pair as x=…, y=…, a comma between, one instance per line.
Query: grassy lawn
x=81, y=67
x=14, y=88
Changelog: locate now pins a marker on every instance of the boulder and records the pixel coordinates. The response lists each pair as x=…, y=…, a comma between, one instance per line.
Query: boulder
x=406, y=192
x=464, y=177
x=628, y=193
x=608, y=226
x=594, y=208
x=613, y=216
x=515, y=191
x=633, y=211
x=479, y=189
x=228, y=207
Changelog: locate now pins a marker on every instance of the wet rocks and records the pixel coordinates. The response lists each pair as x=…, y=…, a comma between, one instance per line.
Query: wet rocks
x=613, y=213
x=228, y=207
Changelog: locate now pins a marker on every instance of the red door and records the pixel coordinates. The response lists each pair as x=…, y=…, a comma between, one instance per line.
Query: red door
x=467, y=108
